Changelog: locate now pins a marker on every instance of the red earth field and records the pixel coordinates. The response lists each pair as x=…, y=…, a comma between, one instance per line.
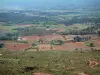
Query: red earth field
x=15, y=46
x=31, y=38
x=66, y=46
x=42, y=47
x=41, y=74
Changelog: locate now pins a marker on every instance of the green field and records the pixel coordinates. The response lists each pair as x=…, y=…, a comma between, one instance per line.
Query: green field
x=7, y=28
x=54, y=62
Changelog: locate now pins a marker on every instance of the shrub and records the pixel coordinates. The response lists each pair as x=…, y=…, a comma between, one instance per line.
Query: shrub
x=22, y=41
x=57, y=42
x=34, y=44
x=30, y=68
x=1, y=45
x=91, y=45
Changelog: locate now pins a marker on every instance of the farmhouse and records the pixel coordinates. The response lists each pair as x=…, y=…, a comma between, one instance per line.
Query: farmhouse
x=21, y=39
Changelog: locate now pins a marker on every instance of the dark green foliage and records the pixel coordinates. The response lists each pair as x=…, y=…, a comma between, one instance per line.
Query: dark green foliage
x=34, y=31
x=80, y=39
x=1, y=45
x=9, y=36
x=91, y=30
x=51, y=18
x=91, y=45
x=57, y=42
x=98, y=32
x=18, y=29
x=30, y=68
x=34, y=44
x=22, y=41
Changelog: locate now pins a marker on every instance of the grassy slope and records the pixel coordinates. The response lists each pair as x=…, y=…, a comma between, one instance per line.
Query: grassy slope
x=55, y=62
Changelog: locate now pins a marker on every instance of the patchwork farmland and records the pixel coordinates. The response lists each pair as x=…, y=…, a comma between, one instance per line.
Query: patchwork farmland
x=43, y=43
x=16, y=46
x=63, y=39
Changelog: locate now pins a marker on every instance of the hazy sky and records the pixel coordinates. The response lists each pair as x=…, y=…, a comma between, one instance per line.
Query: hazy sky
x=43, y=3
x=23, y=2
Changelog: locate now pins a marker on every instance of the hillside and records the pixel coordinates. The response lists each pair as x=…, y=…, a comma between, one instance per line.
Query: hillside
x=50, y=37
x=53, y=62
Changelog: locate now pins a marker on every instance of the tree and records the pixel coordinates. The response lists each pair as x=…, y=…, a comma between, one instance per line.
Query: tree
x=57, y=42
x=77, y=39
x=51, y=44
x=98, y=32
x=60, y=42
x=34, y=44
x=91, y=45
x=1, y=45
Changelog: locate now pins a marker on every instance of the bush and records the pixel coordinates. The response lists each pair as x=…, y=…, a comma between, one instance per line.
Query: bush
x=57, y=42
x=22, y=42
x=1, y=45
x=91, y=45
x=34, y=44
x=30, y=68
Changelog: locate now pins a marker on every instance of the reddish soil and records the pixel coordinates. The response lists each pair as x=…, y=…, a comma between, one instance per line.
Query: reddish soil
x=93, y=63
x=44, y=37
x=31, y=38
x=71, y=46
x=66, y=46
x=41, y=74
x=44, y=47
x=97, y=42
x=82, y=73
x=15, y=46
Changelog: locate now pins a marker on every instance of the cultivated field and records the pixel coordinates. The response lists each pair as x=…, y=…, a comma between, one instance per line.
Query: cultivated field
x=17, y=46
x=67, y=46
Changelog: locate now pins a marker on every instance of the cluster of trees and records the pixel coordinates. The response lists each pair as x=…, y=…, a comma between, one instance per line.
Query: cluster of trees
x=1, y=44
x=80, y=39
x=34, y=31
x=9, y=36
x=23, y=41
x=90, y=30
x=20, y=18
x=57, y=42
x=79, y=20
x=98, y=32
x=37, y=17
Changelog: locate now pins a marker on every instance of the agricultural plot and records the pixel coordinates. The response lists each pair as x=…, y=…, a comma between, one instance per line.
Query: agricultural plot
x=43, y=43
x=7, y=28
x=17, y=46
x=76, y=27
